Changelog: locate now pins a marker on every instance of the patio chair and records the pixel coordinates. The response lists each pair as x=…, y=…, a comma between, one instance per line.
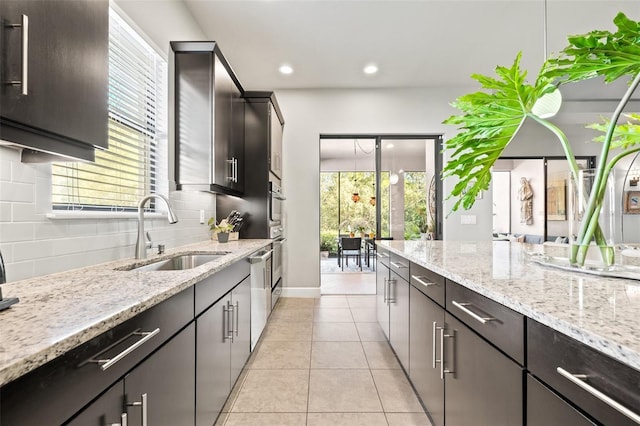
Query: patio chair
x=350, y=247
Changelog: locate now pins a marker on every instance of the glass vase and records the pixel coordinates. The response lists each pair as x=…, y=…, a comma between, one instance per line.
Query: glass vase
x=592, y=220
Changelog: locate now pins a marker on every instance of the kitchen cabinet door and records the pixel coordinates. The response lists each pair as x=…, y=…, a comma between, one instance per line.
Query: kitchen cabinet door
x=236, y=139
x=108, y=409
x=275, y=142
x=67, y=62
x=213, y=361
x=483, y=386
x=399, y=318
x=382, y=306
x=209, y=113
x=164, y=384
x=425, y=320
x=545, y=408
x=241, y=345
x=224, y=168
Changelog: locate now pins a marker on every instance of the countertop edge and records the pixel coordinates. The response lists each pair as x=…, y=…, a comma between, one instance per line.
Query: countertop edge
x=613, y=349
x=19, y=366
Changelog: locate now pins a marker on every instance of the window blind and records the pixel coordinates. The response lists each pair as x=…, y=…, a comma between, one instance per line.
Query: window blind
x=124, y=173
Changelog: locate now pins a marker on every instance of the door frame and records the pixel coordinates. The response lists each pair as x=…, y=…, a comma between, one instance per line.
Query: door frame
x=378, y=137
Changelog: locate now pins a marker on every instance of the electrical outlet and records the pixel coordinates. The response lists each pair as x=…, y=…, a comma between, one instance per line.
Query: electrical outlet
x=201, y=216
x=468, y=219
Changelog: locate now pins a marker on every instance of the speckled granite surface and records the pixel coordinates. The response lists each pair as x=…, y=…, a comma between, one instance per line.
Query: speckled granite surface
x=61, y=311
x=603, y=313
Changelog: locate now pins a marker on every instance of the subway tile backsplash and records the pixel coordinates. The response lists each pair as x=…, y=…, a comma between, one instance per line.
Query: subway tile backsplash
x=34, y=245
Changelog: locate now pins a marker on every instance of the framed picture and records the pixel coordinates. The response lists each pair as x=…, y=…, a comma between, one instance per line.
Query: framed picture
x=632, y=202
x=556, y=200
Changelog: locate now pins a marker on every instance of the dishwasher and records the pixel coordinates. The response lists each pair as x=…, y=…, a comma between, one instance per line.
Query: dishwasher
x=260, y=292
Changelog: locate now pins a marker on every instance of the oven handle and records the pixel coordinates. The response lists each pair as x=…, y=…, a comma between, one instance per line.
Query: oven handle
x=277, y=196
x=262, y=258
x=281, y=242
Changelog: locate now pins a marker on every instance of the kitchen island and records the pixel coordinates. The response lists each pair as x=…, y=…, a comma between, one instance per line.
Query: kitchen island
x=540, y=340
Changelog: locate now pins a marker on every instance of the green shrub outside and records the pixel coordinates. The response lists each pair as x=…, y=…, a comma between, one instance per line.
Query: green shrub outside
x=329, y=242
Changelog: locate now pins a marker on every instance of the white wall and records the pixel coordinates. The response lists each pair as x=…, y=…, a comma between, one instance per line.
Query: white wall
x=33, y=245
x=309, y=113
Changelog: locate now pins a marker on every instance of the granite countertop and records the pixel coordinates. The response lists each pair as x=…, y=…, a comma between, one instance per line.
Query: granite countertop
x=603, y=313
x=58, y=312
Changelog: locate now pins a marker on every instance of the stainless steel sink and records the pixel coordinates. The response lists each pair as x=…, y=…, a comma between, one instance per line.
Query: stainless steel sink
x=180, y=262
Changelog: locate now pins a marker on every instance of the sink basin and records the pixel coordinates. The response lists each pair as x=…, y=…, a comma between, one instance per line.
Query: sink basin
x=180, y=262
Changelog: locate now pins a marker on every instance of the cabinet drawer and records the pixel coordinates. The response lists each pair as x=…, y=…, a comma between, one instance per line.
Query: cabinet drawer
x=399, y=265
x=549, y=350
x=212, y=288
x=545, y=408
x=63, y=386
x=383, y=255
x=500, y=325
x=428, y=282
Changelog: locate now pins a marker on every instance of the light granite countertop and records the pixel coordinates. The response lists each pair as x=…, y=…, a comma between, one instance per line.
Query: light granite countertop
x=61, y=311
x=603, y=313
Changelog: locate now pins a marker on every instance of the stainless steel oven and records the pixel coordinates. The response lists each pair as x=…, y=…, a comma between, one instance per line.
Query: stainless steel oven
x=276, y=200
x=276, y=233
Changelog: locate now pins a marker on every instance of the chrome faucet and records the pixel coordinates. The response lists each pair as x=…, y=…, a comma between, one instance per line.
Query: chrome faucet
x=141, y=246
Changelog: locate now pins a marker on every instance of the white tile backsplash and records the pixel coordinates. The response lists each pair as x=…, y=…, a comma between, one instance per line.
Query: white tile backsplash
x=17, y=192
x=34, y=245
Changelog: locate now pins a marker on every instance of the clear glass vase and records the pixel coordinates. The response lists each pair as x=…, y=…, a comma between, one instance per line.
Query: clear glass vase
x=592, y=220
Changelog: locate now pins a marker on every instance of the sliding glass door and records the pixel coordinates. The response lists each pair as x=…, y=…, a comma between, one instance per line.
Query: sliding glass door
x=408, y=180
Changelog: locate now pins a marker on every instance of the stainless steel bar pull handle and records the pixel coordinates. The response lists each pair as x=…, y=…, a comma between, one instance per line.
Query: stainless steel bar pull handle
x=384, y=290
x=231, y=175
x=389, y=298
x=236, y=320
x=463, y=308
x=399, y=265
x=143, y=406
x=433, y=345
x=24, y=48
x=228, y=318
x=581, y=381
x=443, y=370
x=123, y=420
x=420, y=280
x=106, y=363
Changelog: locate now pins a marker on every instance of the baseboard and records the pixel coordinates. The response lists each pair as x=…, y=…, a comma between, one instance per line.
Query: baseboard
x=301, y=292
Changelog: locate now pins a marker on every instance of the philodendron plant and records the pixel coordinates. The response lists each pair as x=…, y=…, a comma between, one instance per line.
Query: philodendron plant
x=491, y=118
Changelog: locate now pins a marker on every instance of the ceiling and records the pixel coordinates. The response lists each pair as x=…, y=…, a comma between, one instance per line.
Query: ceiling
x=415, y=43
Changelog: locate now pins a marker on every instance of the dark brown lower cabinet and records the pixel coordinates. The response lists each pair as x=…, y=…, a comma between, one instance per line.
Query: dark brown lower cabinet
x=160, y=390
x=223, y=347
x=382, y=295
x=482, y=385
x=108, y=409
x=545, y=408
x=398, y=297
x=426, y=318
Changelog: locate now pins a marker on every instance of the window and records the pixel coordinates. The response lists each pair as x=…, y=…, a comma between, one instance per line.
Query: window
x=129, y=169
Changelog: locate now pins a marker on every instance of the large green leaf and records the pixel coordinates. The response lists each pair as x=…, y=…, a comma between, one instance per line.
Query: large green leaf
x=490, y=120
x=599, y=53
x=625, y=135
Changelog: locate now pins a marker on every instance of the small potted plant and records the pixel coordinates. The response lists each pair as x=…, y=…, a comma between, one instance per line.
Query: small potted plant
x=221, y=230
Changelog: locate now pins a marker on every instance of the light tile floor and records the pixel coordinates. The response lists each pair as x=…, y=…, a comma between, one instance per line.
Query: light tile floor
x=323, y=362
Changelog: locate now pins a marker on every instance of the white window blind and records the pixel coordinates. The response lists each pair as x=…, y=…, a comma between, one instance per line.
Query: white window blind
x=126, y=171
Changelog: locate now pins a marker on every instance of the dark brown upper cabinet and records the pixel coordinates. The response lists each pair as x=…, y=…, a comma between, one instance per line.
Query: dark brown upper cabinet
x=54, y=74
x=209, y=120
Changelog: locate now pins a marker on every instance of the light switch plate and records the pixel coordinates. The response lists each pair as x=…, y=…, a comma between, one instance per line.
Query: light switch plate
x=201, y=216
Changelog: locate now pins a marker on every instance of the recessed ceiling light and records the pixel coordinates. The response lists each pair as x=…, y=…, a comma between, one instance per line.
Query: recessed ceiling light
x=390, y=145
x=370, y=69
x=285, y=69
